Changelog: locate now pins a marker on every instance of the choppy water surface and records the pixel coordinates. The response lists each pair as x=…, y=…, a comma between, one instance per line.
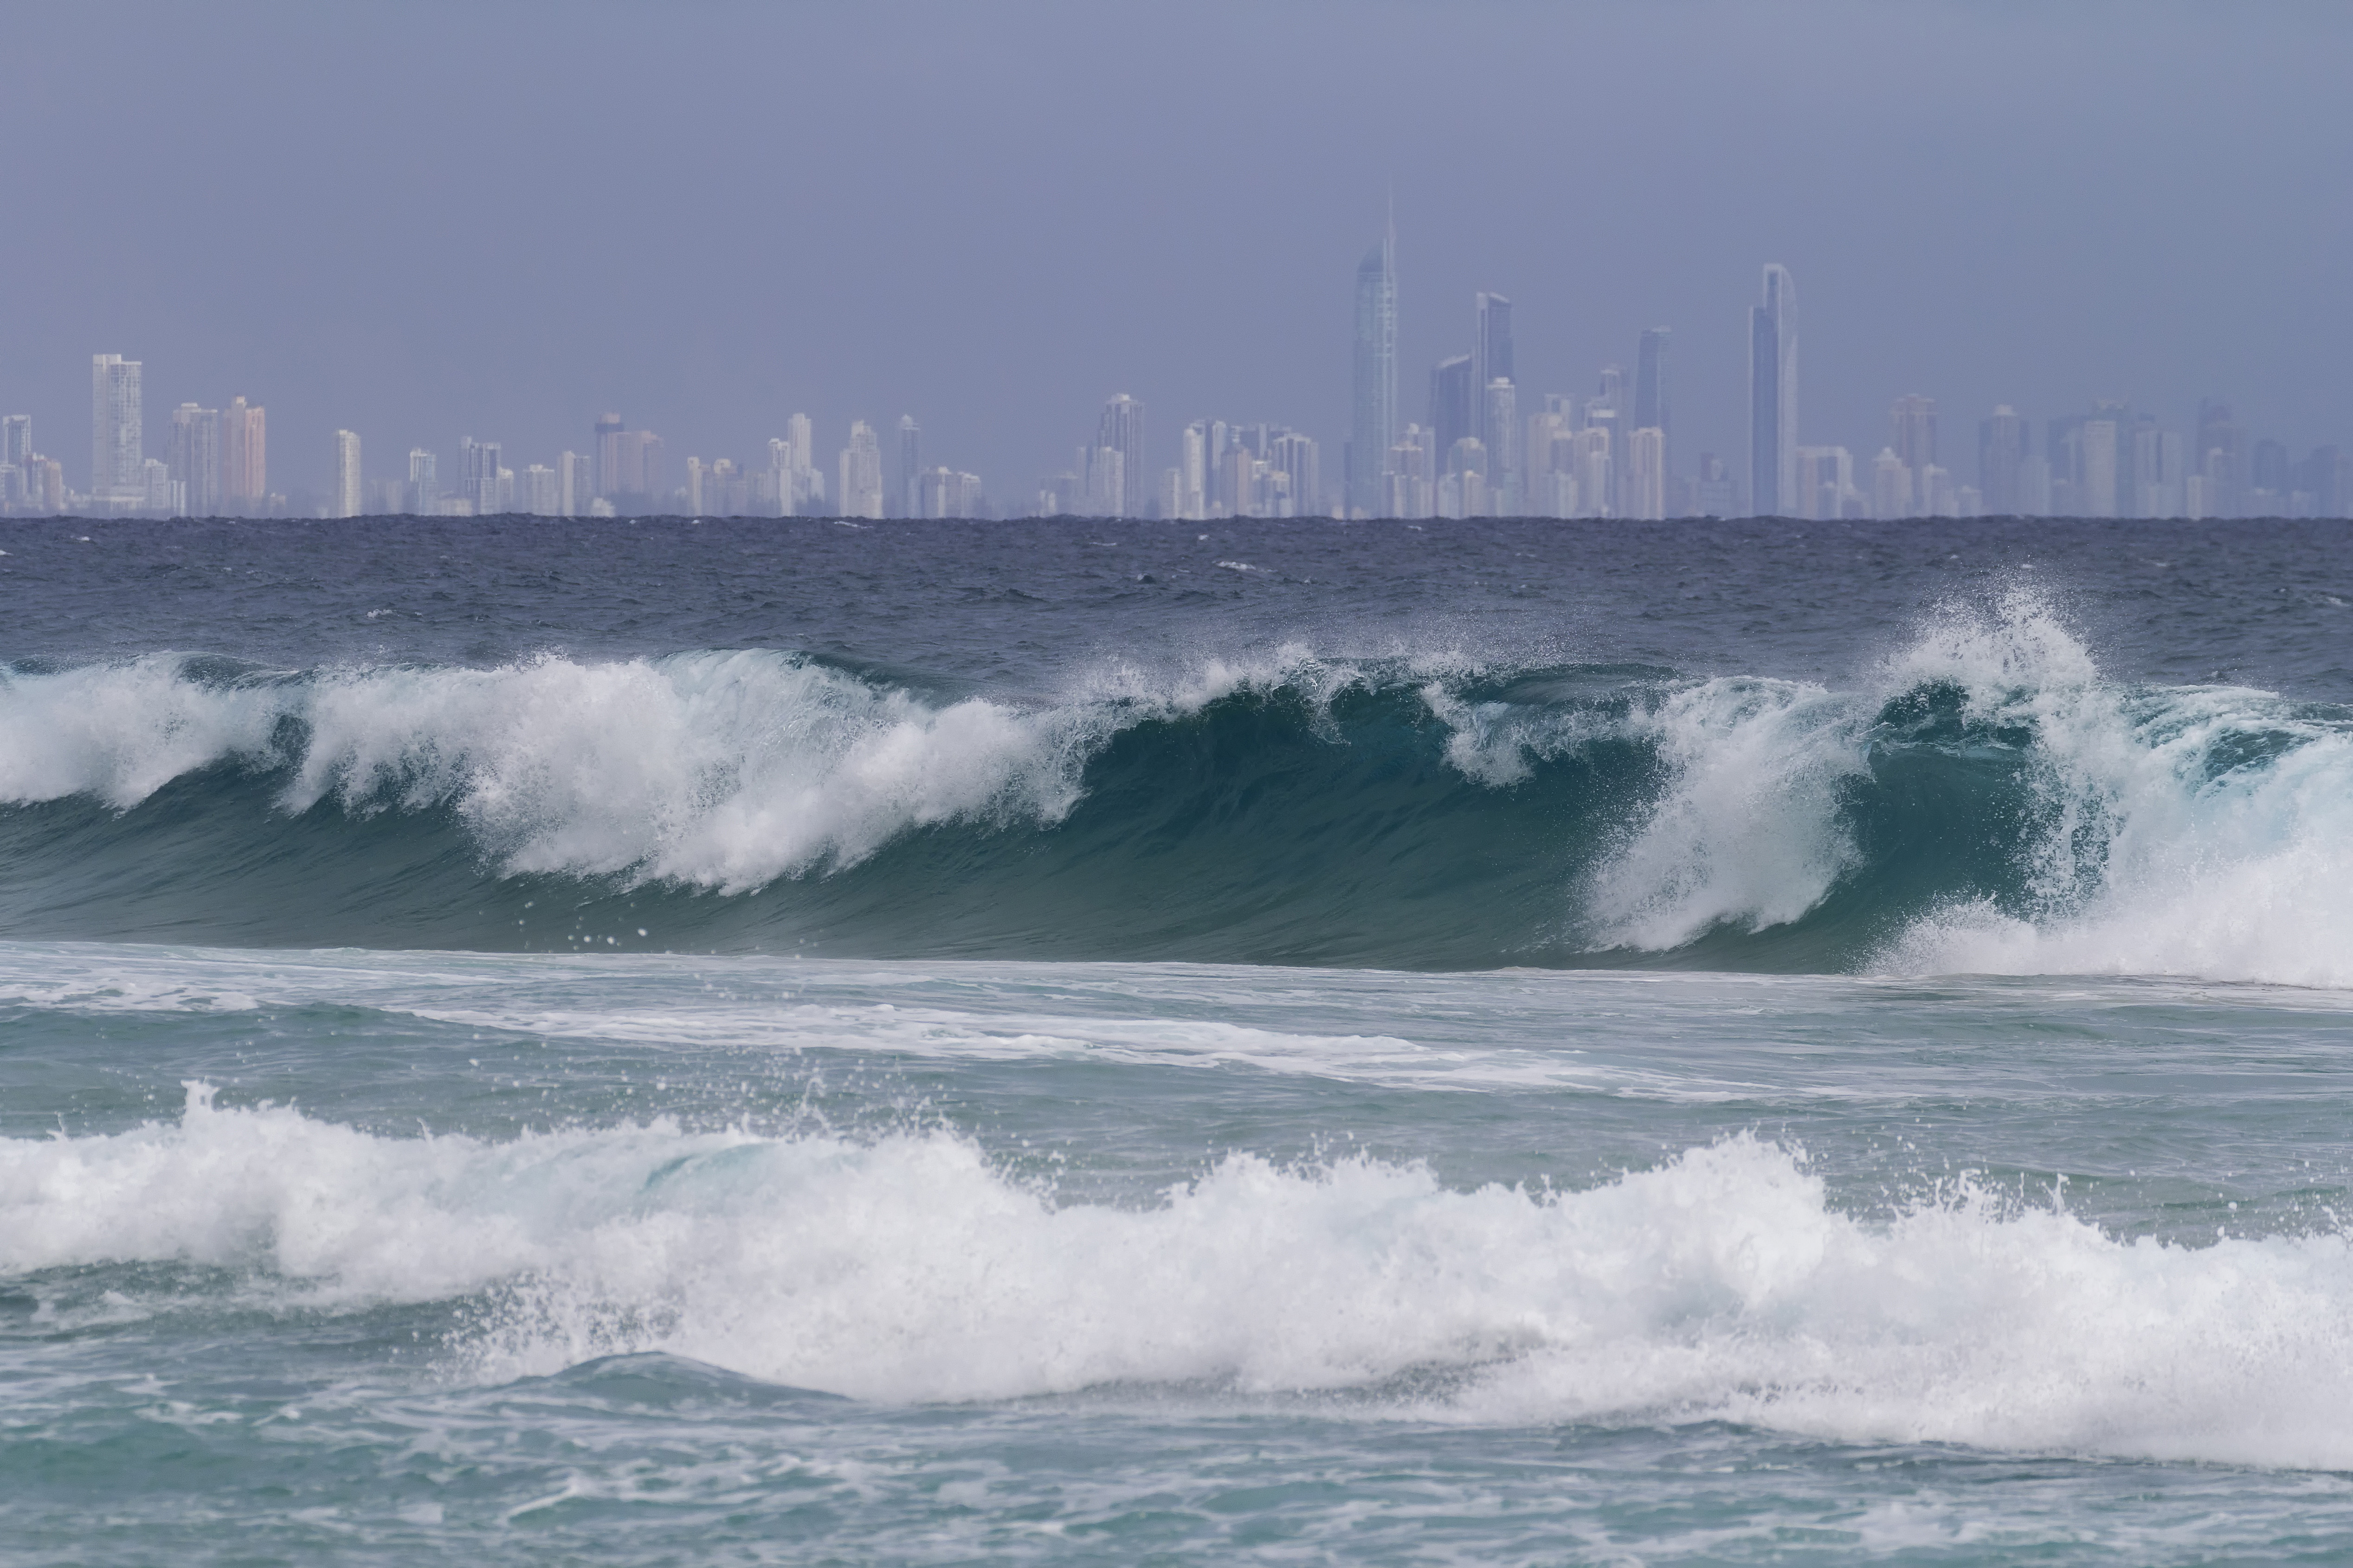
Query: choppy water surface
x=1088, y=1042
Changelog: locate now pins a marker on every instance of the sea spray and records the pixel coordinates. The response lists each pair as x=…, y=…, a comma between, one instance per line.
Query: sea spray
x=1985, y=799
x=1721, y=1284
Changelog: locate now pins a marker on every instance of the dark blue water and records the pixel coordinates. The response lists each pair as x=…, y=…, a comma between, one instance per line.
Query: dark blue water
x=1501, y=1042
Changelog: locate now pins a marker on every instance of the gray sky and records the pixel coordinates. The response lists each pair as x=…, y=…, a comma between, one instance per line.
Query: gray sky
x=428, y=220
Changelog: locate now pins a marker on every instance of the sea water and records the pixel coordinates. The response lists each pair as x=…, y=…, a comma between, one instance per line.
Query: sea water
x=784, y=1041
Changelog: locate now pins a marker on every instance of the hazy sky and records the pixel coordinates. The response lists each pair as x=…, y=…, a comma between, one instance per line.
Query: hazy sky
x=423, y=221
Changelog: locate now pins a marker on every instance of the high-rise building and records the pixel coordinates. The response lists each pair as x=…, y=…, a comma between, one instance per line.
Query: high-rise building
x=1646, y=474
x=541, y=492
x=1121, y=430
x=1193, y=474
x=1296, y=458
x=576, y=484
x=2221, y=458
x=1912, y=437
x=1597, y=479
x=2327, y=476
x=1773, y=398
x=1412, y=475
x=348, y=502
x=608, y=454
x=1825, y=484
x=904, y=501
x=245, y=457
x=2002, y=441
x=1491, y=356
x=1890, y=487
x=117, y=431
x=1715, y=493
x=1454, y=410
x=16, y=441
x=477, y=475
x=1502, y=418
x=423, y=482
x=194, y=455
x=1652, y=408
x=157, y=492
x=861, y=473
x=2096, y=484
x=1373, y=415
x=1103, y=484
x=944, y=494
x=2268, y=468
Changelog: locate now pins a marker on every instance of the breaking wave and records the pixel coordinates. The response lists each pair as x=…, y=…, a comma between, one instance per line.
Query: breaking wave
x=1984, y=800
x=1723, y=1284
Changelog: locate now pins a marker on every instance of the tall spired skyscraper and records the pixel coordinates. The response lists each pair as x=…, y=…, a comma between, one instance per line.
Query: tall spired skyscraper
x=1773, y=397
x=1491, y=356
x=1372, y=430
x=1652, y=411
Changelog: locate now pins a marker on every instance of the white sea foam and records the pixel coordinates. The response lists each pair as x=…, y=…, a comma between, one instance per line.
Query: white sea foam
x=724, y=770
x=1747, y=832
x=2201, y=831
x=1720, y=1284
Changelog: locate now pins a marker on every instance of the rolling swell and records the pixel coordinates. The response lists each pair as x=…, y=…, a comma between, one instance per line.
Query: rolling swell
x=1986, y=801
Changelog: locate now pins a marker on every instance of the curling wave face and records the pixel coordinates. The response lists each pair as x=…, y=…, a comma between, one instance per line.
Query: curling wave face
x=1985, y=800
x=1719, y=1285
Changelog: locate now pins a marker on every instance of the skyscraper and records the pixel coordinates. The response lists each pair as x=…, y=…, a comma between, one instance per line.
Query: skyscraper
x=2001, y=462
x=245, y=456
x=347, y=475
x=1503, y=417
x=542, y=492
x=193, y=455
x=1652, y=410
x=1773, y=397
x=576, y=484
x=477, y=475
x=608, y=455
x=861, y=473
x=1121, y=429
x=423, y=482
x=1193, y=475
x=2221, y=458
x=117, y=430
x=905, y=501
x=1373, y=426
x=1491, y=354
x=2097, y=494
x=1912, y=436
x=1453, y=403
x=1646, y=474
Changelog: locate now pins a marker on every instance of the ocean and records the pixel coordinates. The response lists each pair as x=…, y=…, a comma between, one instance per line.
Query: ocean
x=1496, y=1042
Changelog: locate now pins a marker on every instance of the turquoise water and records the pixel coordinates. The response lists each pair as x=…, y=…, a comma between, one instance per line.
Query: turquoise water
x=655, y=1259
x=647, y=1043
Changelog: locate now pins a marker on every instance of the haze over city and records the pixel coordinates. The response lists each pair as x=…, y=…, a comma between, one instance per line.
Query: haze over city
x=435, y=225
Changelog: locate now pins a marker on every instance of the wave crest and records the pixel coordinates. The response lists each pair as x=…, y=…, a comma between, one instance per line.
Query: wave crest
x=1723, y=1284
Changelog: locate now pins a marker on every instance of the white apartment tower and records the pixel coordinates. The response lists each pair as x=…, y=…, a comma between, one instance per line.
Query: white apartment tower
x=861, y=473
x=117, y=430
x=347, y=475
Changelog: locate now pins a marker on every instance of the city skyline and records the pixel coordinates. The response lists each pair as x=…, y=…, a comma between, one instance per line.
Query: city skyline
x=2031, y=219
x=1481, y=449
